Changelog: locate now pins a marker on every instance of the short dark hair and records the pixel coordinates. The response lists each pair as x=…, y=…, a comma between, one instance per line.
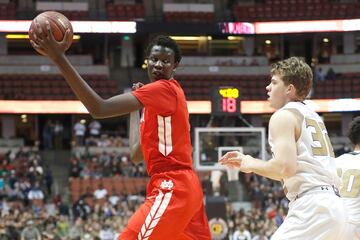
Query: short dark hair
x=165, y=41
x=354, y=131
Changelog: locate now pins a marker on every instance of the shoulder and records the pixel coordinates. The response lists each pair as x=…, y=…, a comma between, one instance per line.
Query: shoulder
x=283, y=116
x=282, y=121
x=159, y=86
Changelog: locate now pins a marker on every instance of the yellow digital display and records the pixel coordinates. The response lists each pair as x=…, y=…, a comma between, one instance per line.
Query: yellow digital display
x=226, y=101
x=229, y=92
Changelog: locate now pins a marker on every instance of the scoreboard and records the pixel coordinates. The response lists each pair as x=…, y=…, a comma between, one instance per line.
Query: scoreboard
x=225, y=101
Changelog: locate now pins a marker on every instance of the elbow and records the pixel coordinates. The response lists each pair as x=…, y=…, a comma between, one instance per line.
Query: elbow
x=96, y=109
x=96, y=115
x=94, y=112
x=136, y=159
x=288, y=171
x=136, y=156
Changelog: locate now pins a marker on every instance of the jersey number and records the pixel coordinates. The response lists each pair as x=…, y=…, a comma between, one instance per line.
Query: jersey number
x=320, y=135
x=351, y=183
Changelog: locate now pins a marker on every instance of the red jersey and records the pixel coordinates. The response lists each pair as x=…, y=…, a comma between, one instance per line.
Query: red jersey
x=164, y=126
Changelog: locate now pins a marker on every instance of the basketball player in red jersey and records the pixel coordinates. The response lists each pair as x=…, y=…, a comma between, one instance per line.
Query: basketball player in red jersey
x=174, y=207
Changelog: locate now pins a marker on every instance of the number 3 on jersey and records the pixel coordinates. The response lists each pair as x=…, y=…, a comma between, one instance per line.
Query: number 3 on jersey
x=320, y=135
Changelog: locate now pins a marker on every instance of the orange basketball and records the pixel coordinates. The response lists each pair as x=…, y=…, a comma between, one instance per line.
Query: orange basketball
x=58, y=24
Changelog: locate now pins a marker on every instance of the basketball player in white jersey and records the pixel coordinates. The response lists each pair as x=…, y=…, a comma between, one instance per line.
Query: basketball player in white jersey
x=348, y=166
x=303, y=158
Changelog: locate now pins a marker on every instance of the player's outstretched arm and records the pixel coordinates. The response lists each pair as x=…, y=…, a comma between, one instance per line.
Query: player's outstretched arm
x=282, y=126
x=97, y=107
x=283, y=165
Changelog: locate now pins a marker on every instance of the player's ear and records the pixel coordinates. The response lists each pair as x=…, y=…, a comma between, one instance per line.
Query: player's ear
x=291, y=89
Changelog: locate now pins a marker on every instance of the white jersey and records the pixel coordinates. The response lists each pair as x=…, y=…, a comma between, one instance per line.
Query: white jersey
x=315, y=156
x=348, y=166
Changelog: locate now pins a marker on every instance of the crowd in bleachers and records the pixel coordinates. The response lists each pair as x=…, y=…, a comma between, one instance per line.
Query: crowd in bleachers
x=56, y=220
x=268, y=210
x=107, y=141
x=26, y=179
x=104, y=164
x=29, y=209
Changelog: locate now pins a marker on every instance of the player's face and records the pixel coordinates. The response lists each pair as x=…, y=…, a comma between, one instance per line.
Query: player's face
x=161, y=63
x=277, y=92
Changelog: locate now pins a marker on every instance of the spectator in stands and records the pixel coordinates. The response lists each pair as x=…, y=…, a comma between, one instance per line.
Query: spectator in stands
x=260, y=236
x=22, y=153
x=36, y=193
x=62, y=228
x=107, y=232
x=81, y=209
x=49, y=231
x=241, y=233
x=59, y=135
x=86, y=172
x=36, y=197
x=30, y=232
x=48, y=180
x=94, y=128
x=12, y=229
x=114, y=198
x=280, y=216
x=100, y=194
x=48, y=135
x=116, y=168
x=76, y=230
x=14, y=193
x=80, y=130
x=75, y=168
x=104, y=157
x=330, y=75
x=165, y=108
x=319, y=75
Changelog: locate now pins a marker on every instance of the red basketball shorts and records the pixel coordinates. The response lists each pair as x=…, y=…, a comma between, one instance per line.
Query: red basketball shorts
x=173, y=209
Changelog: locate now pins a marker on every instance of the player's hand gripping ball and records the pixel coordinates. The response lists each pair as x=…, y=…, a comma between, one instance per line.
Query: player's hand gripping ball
x=58, y=23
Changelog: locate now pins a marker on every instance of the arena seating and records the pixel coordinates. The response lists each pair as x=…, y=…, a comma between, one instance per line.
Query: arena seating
x=7, y=11
x=277, y=10
x=346, y=85
x=49, y=87
x=76, y=15
x=194, y=17
x=121, y=185
x=252, y=87
x=124, y=11
x=189, y=12
x=196, y=87
x=72, y=10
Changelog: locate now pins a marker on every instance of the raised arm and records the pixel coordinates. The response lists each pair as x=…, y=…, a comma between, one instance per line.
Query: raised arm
x=97, y=106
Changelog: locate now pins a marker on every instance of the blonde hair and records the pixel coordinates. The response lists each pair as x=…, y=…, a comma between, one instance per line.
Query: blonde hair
x=296, y=72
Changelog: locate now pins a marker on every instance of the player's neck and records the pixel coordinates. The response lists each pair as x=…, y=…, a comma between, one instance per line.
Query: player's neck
x=298, y=100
